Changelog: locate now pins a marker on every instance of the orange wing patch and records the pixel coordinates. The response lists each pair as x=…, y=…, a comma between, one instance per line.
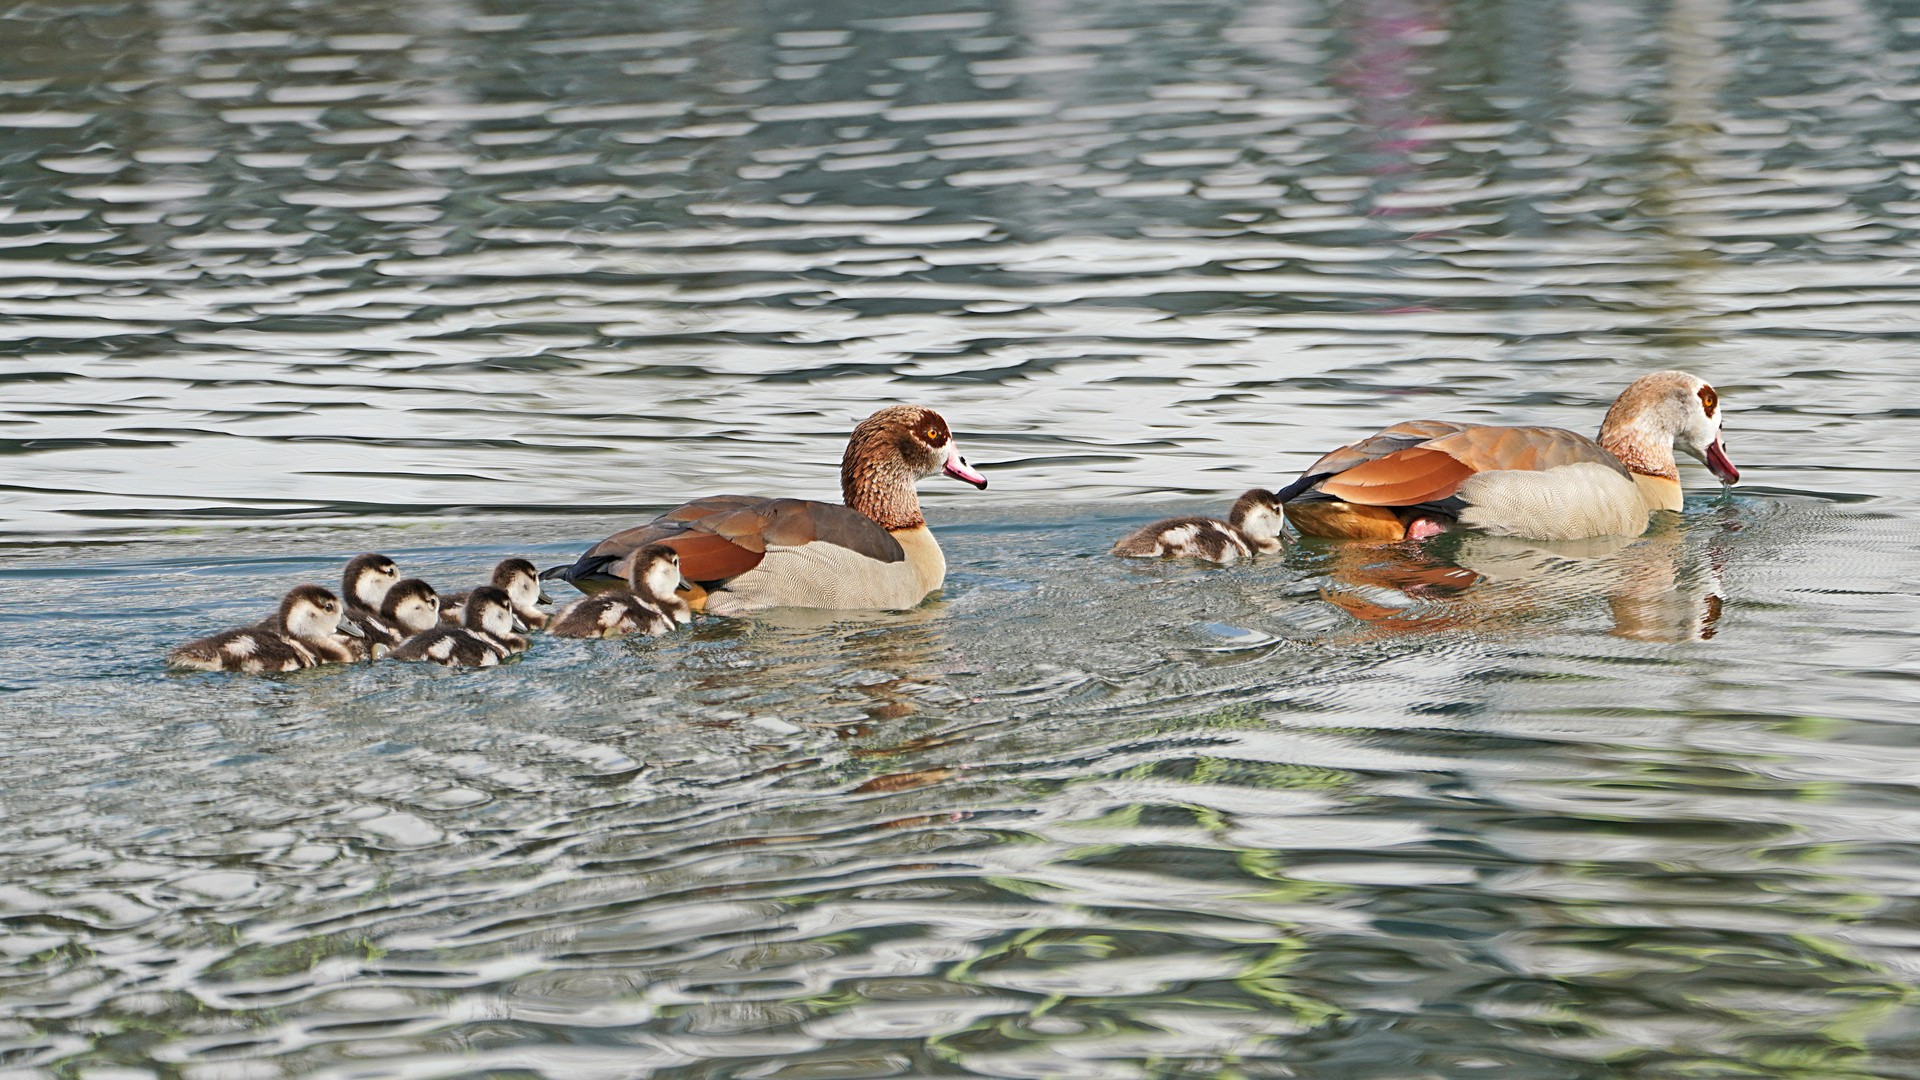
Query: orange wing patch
x=707, y=557
x=1419, y=475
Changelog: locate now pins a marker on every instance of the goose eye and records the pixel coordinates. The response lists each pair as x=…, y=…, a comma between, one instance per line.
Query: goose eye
x=934, y=436
x=1708, y=400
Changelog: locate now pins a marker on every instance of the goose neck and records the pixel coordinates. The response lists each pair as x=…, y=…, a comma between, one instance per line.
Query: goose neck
x=882, y=489
x=1639, y=450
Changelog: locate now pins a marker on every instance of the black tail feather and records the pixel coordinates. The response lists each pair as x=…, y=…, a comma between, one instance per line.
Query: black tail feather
x=589, y=566
x=1293, y=490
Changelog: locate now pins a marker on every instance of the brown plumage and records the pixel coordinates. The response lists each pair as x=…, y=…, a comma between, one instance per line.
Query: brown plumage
x=749, y=553
x=1419, y=477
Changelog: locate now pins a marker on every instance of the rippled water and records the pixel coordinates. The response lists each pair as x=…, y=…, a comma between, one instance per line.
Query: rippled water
x=282, y=283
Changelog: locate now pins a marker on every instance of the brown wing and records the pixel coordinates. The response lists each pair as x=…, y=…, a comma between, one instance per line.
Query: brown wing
x=1422, y=474
x=1433, y=469
x=726, y=535
x=1389, y=440
x=1487, y=449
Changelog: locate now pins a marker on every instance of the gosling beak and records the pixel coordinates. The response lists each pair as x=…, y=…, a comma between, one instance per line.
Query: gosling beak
x=544, y=598
x=958, y=468
x=351, y=628
x=518, y=626
x=684, y=586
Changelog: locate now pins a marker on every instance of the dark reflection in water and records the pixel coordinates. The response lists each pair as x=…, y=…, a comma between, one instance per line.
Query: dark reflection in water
x=452, y=281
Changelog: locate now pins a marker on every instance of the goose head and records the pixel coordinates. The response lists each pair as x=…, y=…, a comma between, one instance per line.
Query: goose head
x=888, y=452
x=1663, y=412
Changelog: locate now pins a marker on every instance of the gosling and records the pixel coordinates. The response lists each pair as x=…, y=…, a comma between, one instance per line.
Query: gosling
x=365, y=585
x=515, y=577
x=648, y=605
x=1255, y=525
x=487, y=637
x=305, y=632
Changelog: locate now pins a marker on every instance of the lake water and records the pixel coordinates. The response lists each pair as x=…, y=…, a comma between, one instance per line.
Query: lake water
x=449, y=280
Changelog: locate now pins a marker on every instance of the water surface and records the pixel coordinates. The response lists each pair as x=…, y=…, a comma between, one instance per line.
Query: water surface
x=453, y=281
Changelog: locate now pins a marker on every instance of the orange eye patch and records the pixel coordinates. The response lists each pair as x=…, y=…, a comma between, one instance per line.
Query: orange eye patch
x=1709, y=400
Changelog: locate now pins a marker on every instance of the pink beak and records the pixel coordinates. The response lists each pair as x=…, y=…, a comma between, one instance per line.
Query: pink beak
x=958, y=468
x=1717, y=463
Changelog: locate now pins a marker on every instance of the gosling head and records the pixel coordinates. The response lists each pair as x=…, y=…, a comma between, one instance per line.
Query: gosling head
x=412, y=605
x=654, y=572
x=367, y=579
x=310, y=611
x=1260, y=514
x=521, y=582
x=490, y=611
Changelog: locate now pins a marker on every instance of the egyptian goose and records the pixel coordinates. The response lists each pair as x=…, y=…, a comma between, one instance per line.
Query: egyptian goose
x=1253, y=525
x=649, y=605
x=1413, y=479
x=485, y=639
x=304, y=633
x=748, y=553
x=515, y=577
x=364, y=587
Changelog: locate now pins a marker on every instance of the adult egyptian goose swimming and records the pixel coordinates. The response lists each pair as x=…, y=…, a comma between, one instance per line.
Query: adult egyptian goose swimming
x=649, y=605
x=749, y=553
x=1415, y=479
x=1253, y=525
x=305, y=632
x=515, y=577
x=486, y=638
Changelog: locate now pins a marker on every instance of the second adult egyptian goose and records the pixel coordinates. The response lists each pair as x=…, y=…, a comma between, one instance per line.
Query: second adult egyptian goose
x=1415, y=479
x=749, y=553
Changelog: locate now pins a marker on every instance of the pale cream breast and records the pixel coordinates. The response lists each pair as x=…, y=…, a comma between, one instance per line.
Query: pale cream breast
x=1564, y=503
x=925, y=556
x=822, y=575
x=1659, y=493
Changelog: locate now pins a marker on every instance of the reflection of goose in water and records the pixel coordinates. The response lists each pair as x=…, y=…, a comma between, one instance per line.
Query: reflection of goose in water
x=1657, y=587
